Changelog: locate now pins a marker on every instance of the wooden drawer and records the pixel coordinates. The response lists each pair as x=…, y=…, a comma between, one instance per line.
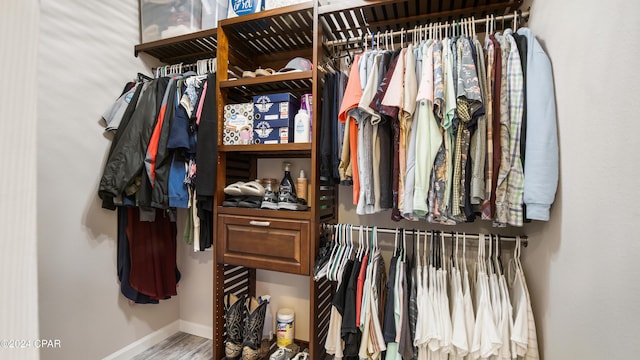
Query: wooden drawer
x=264, y=243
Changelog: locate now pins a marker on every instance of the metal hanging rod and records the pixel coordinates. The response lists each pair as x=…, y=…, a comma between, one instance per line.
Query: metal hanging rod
x=523, y=238
x=524, y=15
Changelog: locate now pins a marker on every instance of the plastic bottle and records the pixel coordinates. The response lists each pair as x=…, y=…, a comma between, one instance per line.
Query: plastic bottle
x=301, y=127
x=301, y=186
x=285, y=327
x=287, y=184
x=267, y=329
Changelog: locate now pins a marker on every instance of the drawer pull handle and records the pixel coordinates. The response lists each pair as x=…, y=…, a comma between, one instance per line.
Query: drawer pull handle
x=260, y=223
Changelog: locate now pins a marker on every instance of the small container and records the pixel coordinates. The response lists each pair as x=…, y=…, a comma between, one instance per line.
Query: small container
x=301, y=186
x=285, y=319
x=302, y=127
x=270, y=185
x=287, y=185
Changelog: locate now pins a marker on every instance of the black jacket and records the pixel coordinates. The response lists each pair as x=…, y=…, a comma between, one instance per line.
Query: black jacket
x=126, y=158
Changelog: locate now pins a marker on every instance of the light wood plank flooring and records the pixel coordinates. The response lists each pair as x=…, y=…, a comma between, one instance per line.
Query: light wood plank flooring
x=180, y=346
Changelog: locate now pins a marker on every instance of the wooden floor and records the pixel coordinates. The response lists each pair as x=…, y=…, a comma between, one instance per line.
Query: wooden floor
x=181, y=346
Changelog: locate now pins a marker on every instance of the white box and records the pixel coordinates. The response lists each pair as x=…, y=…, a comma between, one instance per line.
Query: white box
x=212, y=12
x=162, y=19
x=238, y=124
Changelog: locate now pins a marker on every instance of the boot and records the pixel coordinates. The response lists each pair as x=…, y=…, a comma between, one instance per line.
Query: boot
x=253, y=346
x=234, y=322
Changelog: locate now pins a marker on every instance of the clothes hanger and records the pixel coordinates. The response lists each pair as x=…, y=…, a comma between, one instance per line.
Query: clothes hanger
x=143, y=77
x=464, y=254
x=334, y=250
x=413, y=245
x=496, y=257
x=473, y=27
x=395, y=243
x=334, y=255
x=347, y=251
x=341, y=251
x=515, y=21
x=404, y=245
x=490, y=267
x=443, y=255
x=452, y=256
x=457, y=256
x=360, y=246
x=418, y=263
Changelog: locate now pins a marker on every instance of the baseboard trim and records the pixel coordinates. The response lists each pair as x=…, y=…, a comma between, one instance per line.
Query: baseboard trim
x=146, y=342
x=196, y=329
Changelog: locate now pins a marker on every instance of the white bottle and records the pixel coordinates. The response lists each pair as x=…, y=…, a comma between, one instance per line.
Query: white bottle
x=301, y=127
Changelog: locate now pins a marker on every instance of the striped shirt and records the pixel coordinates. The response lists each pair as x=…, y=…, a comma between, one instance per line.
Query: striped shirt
x=515, y=88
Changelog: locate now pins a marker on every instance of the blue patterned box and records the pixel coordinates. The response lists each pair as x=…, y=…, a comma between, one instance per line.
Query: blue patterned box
x=272, y=114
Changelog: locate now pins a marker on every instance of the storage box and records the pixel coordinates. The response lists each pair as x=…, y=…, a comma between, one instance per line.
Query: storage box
x=161, y=19
x=238, y=124
x=272, y=4
x=244, y=7
x=273, y=117
x=212, y=12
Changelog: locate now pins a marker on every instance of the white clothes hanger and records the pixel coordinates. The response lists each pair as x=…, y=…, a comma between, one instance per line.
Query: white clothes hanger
x=360, y=245
x=496, y=258
x=404, y=245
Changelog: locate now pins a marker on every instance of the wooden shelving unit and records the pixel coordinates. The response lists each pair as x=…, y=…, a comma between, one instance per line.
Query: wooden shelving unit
x=269, y=39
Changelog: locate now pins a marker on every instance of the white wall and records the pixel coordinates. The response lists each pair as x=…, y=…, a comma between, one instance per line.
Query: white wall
x=195, y=290
x=86, y=55
x=582, y=266
x=18, y=267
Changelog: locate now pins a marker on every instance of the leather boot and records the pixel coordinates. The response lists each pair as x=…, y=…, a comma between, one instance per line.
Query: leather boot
x=253, y=346
x=234, y=323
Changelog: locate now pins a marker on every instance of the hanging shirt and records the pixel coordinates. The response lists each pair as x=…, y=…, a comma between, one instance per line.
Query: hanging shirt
x=515, y=190
x=390, y=105
x=497, y=104
x=501, y=216
x=479, y=139
x=429, y=135
x=410, y=91
x=438, y=194
x=469, y=106
x=541, y=167
x=450, y=75
x=487, y=214
x=351, y=99
x=368, y=159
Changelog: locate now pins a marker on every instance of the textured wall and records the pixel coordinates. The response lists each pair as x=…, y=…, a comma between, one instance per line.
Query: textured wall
x=18, y=274
x=86, y=55
x=582, y=266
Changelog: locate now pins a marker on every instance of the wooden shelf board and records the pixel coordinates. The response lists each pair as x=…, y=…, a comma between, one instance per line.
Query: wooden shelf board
x=266, y=14
x=265, y=150
x=278, y=214
x=270, y=79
